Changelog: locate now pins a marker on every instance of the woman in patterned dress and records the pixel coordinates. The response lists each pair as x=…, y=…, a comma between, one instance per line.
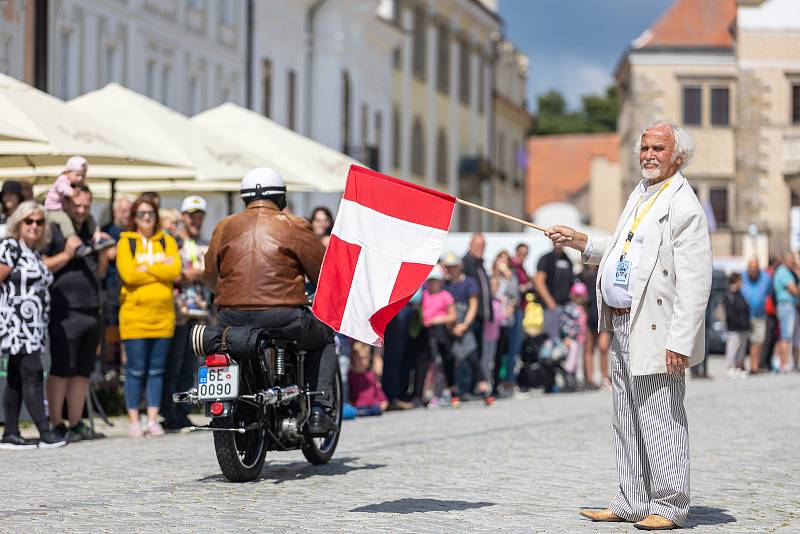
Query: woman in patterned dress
x=24, y=308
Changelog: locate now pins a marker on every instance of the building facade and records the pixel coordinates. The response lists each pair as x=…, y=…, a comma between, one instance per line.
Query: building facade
x=768, y=127
x=323, y=69
x=511, y=125
x=185, y=54
x=727, y=72
x=443, y=124
x=421, y=89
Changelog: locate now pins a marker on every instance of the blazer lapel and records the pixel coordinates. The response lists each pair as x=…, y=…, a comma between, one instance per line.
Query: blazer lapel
x=652, y=239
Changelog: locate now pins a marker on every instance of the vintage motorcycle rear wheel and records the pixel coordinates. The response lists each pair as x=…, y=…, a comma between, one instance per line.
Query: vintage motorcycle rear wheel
x=241, y=455
x=319, y=451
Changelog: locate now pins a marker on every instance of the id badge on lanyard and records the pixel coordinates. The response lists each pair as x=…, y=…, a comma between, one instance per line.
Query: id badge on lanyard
x=622, y=272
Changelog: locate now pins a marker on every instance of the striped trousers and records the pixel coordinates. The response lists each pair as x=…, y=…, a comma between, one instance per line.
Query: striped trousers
x=651, y=438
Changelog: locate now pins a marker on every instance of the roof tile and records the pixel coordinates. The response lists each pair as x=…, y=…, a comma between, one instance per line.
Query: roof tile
x=692, y=24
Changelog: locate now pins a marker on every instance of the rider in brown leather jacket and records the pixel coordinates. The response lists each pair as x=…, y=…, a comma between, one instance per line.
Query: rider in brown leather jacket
x=257, y=263
x=259, y=258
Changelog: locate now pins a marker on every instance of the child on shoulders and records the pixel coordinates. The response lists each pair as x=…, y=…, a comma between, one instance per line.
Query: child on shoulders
x=73, y=176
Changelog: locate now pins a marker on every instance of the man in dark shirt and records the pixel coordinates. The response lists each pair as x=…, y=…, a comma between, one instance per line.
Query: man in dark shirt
x=553, y=281
x=466, y=344
x=473, y=268
x=74, y=327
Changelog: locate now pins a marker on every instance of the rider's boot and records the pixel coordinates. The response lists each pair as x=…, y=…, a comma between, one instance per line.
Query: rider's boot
x=319, y=422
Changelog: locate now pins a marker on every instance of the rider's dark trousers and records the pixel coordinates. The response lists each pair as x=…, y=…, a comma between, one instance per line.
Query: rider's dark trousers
x=317, y=341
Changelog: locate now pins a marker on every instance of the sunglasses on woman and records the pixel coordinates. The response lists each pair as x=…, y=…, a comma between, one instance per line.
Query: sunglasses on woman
x=143, y=214
x=37, y=222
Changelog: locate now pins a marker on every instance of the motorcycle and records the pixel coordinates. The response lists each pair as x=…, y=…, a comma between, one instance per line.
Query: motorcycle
x=253, y=387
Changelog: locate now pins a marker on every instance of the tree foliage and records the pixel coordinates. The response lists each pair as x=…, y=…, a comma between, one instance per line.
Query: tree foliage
x=597, y=114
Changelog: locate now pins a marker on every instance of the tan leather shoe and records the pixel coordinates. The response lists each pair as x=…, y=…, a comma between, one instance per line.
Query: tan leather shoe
x=655, y=522
x=601, y=515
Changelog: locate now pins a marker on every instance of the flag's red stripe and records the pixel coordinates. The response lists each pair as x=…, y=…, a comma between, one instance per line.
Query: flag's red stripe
x=335, y=279
x=398, y=198
x=408, y=280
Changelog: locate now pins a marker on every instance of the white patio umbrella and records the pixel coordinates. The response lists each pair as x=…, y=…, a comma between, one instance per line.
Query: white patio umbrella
x=38, y=132
x=215, y=157
x=295, y=156
x=102, y=189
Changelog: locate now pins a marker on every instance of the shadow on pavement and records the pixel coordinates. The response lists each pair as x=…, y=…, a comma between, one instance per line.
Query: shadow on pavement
x=707, y=515
x=411, y=506
x=302, y=470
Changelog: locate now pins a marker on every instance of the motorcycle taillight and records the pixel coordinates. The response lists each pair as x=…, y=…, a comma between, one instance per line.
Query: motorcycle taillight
x=217, y=360
x=216, y=408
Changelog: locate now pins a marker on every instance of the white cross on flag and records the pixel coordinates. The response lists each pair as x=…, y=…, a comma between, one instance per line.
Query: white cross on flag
x=387, y=237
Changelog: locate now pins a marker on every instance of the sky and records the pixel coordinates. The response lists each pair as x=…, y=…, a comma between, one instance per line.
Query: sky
x=574, y=45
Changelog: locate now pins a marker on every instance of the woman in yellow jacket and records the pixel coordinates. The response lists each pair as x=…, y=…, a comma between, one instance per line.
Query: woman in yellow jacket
x=148, y=264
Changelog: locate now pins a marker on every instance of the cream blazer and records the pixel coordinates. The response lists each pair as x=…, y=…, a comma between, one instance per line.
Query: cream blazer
x=673, y=282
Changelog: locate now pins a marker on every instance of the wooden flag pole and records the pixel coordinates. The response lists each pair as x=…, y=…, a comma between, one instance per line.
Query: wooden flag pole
x=503, y=215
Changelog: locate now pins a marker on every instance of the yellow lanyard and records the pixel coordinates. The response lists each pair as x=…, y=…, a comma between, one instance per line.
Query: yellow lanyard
x=639, y=217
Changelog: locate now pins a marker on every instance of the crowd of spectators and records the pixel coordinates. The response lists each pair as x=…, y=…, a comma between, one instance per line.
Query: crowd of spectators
x=761, y=313
x=86, y=299
x=468, y=333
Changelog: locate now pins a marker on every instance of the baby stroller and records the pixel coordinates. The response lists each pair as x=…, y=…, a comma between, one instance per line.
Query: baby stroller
x=543, y=362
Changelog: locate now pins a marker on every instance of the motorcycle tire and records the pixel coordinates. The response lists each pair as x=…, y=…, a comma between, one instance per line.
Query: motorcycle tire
x=320, y=450
x=241, y=456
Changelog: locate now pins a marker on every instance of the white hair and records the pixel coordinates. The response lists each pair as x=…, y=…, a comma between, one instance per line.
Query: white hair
x=684, y=143
x=120, y=199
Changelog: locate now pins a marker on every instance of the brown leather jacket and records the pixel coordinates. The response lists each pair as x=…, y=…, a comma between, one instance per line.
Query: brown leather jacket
x=259, y=258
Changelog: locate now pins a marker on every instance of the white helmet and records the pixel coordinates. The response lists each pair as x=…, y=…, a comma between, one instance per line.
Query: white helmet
x=263, y=183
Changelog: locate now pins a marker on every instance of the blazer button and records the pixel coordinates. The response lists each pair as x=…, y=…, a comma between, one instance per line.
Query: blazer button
x=653, y=327
x=665, y=272
x=659, y=301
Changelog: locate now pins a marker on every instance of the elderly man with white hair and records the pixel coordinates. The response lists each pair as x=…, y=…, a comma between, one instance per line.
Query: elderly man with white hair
x=652, y=289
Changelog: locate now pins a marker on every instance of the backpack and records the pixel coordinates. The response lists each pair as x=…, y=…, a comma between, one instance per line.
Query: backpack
x=132, y=243
x=533, y=319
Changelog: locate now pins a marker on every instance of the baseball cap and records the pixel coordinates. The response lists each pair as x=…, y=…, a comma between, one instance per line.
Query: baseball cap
x=450, y=259
x=194, y=203
x=76, y=163
x=436, y=273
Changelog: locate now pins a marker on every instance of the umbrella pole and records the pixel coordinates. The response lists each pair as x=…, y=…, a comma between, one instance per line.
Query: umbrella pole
x=112, y=196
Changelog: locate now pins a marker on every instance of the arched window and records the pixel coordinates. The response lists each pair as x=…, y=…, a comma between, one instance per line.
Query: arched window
x=501, y=153
x=346, y=107
x=417, y=148
x=396, y=140
x=441, y=157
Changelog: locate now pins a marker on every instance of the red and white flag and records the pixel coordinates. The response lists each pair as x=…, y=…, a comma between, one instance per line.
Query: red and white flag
x=387, y=237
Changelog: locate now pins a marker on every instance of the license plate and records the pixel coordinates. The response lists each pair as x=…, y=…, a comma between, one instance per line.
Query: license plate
x=218, y=383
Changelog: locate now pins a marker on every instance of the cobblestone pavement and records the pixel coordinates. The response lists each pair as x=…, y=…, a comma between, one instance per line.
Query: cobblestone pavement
x=526, y=465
